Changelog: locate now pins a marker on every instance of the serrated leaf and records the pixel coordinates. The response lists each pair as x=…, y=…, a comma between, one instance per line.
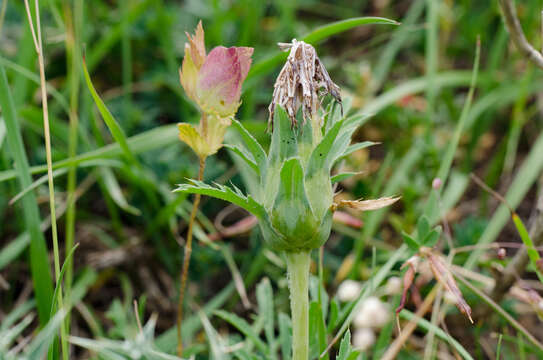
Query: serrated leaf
x=244, y=328
x=423, y=227
x=226, y=193
x=411, y=242
x=252, y=145
x=264, y=297
x=243, y=155
x=346, y=351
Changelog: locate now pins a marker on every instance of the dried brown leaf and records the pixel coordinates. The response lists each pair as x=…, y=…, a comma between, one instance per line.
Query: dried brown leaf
x=444, y=276
x=367, y=205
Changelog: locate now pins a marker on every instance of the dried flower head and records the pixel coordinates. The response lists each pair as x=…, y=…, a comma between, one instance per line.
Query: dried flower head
x=302, y=82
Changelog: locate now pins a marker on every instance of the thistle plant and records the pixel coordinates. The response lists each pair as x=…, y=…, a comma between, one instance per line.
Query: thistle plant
x=213, y=82
x=295, y=203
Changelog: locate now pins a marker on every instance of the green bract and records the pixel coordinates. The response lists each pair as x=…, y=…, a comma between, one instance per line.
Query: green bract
x=294, y=200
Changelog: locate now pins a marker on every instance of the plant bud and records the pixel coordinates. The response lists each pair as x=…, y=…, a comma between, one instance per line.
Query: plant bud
x=214, y=82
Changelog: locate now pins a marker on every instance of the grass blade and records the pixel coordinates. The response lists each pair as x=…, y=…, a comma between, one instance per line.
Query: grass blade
x=41, y=275
x=428, y=326
x=316, y=36
x=113, y=126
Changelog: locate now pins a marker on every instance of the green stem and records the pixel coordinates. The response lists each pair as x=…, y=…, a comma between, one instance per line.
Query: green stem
x=298, y=276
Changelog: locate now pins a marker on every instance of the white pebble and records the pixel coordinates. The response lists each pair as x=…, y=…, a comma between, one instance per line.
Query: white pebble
x=393, y=286
x=363, y=339
x=348, y=290
x=372, y=313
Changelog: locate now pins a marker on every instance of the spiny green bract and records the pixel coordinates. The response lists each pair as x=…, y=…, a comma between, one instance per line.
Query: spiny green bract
x=293, y=202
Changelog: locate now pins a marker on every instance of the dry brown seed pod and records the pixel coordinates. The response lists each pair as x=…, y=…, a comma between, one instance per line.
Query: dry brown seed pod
x=303, y=80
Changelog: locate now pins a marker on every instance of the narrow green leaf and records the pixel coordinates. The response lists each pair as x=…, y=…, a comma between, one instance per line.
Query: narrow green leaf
x=115, y=191
x=334, y=315
x=432, y=237
x=39, y=266
x=13, y=249
x=318, y=333
x=316, y=36
x=411, y=242
x=358, y=146
x=243, y=155
x=10, y=334
x=533, y=254
x=213, y=338
x=264, y=297
x=38, y=347
x=148, y=140
x=285, y=335
x=112, y=124
x=425, y=324
x=527, y=174
x=342, y=176
x=259, y=155
x=224, y=193
x=448, y=157
x=61, y=276
x=244, y=328
x=283, y=143
x=423, y=227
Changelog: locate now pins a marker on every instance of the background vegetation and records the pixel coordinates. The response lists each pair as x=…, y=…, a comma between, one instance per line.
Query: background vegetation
x=113, y=184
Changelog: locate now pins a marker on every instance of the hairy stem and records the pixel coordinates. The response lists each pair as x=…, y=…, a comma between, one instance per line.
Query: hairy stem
x=186, y=260
x=298, y=276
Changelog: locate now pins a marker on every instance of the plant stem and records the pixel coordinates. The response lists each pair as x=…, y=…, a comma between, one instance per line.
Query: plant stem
x=186, y=260
x=43, y=85
x=298, y=276
x=72, y=18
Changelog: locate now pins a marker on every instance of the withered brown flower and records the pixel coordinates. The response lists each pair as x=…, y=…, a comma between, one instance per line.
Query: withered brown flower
x=302, y=82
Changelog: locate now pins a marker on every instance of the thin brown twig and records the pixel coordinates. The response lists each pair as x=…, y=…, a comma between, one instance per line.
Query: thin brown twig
x=517, y=34
x=186, y=260
x=397, y=344
x=494, y=193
